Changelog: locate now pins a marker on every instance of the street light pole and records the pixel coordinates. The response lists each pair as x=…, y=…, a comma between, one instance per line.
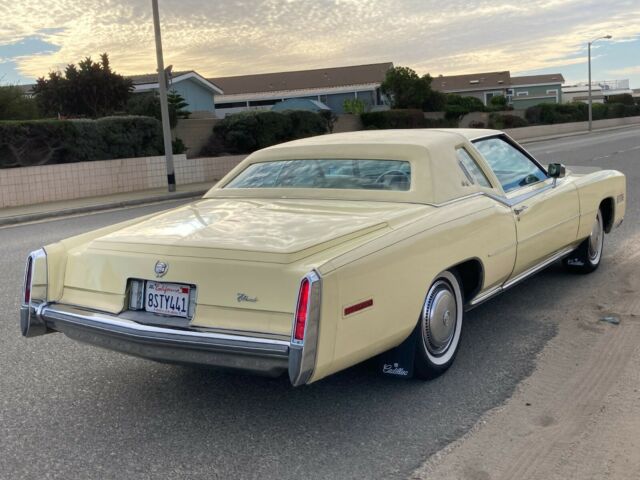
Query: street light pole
x=164, y=105
x=589, y=62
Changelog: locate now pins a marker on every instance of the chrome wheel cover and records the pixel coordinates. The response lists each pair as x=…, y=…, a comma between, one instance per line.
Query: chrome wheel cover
x=596, y=240
x=441, y=319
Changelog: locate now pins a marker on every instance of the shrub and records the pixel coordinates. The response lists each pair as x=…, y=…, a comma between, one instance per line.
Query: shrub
x=501, y=121
x=471, y=104
x=624, y=98
x=354, y=106
x=16, y=106
x=549, y=113
x=455, y=112
x=598, y=111
x=148, y=105
x=476, y=124
x=401, y=119
x=249, y=131
x=65, y=141
x=499, y=101
x=615, y=110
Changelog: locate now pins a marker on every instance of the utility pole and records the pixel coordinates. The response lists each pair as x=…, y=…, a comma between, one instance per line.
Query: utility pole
x=589, y=61
x=164, y=105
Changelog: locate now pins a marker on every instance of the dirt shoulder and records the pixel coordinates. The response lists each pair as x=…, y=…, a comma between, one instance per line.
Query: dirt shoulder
x=578, y=415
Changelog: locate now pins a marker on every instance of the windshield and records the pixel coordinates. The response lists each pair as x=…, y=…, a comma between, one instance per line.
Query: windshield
x=326, y=173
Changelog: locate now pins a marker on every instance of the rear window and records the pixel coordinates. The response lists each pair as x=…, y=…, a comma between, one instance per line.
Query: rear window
x=352, y=174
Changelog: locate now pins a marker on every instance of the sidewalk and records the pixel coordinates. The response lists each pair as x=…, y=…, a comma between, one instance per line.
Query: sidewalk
x=30, y=213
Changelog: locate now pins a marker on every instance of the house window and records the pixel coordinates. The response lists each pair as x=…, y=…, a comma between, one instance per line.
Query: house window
x=552, y=92
x=262, y=103
x=522, y=94
x=231, y=105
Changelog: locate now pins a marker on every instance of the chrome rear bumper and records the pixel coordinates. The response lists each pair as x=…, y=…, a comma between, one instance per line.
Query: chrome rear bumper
x=255, y=355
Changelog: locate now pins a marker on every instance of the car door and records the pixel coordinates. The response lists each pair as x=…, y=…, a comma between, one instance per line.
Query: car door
x=547, y=211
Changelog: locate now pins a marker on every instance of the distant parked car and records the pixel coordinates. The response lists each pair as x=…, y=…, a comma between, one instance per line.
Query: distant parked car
x=317, y=254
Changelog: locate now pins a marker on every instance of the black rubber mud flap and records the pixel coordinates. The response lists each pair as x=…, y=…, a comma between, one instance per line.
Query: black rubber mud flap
x=398, y=362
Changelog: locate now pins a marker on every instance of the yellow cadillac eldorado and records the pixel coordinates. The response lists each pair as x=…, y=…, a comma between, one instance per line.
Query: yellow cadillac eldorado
x=317, y=254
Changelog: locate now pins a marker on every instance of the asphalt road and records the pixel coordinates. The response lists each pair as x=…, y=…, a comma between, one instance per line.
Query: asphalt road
x=72, y=411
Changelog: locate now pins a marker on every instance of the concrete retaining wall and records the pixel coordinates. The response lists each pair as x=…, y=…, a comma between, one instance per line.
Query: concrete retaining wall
x=526, y=133
x=50, y=183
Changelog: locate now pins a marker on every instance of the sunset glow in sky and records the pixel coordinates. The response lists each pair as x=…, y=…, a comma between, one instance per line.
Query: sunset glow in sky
x=235, y=37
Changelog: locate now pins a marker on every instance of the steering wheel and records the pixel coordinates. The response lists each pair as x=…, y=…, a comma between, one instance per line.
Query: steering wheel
x=396, y=174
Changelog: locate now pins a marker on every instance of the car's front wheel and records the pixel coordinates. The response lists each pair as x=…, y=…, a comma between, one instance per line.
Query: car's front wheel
x=586, y=258
x=439, y=327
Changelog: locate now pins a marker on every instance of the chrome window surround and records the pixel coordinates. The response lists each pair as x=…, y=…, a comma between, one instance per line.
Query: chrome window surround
x=302, y=354
x=507, y=202
x=31, y=325
x=514, y=144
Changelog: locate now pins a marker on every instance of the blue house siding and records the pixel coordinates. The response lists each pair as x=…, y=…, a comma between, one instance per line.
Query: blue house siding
x=197, y=96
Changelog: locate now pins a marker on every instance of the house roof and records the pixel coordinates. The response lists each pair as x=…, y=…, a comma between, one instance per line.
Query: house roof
x=474, y=81
x=149, y=81
x=153, y=77
x=535, y=79
x=303, y=79
x=489, y=80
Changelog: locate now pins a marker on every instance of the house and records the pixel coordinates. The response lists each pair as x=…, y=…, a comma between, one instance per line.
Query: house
x=520, y=92
x=331, y=86
x=197, y=91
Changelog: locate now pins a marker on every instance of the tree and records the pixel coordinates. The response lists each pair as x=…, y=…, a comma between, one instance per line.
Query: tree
x=14, y=105
x=435, y=102
x=89, y=89
x=178, y=103
x=405, y=88
x=148, y=105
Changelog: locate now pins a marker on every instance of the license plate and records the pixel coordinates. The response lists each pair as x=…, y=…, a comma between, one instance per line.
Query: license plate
x=167, y=299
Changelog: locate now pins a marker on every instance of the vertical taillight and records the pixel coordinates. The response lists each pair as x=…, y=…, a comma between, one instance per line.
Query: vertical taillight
x=302, y=310
x=27, y=281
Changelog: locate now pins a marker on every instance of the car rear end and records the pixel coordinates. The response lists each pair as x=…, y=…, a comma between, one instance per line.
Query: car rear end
x=161, y=309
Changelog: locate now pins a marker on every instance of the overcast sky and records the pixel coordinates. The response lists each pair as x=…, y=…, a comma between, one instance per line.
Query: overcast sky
x=235, y=37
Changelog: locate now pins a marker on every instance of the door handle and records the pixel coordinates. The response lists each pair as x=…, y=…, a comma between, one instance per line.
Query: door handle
x=520, y=209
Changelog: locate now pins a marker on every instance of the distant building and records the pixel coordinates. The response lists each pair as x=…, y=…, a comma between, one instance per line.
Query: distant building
x=331, y=86
x=600, y=91
x=520, y=92
x=198, y=92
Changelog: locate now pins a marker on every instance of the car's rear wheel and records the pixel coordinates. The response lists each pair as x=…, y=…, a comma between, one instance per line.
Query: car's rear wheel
x=587, y=257
x=439, y=328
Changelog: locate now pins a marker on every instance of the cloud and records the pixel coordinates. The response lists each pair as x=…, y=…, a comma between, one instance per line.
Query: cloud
x=235, y=37
x=625, y=71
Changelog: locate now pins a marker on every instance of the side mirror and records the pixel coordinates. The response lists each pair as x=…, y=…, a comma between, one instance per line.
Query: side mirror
x=556, y=170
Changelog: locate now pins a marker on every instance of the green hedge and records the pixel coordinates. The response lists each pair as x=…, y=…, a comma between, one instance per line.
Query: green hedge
x=43, y=142
x=550, y=113
x=409, y=118
x=501, y=121
x=247, y=132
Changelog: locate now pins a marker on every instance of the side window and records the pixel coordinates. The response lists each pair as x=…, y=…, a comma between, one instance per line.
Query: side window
x=471, y=169
x=512, y=167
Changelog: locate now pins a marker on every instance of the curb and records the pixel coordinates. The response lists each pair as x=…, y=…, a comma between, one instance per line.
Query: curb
x=32, y=217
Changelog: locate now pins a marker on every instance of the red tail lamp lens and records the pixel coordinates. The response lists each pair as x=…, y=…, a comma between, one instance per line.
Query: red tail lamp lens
x=302, y=309
x=27, y=281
